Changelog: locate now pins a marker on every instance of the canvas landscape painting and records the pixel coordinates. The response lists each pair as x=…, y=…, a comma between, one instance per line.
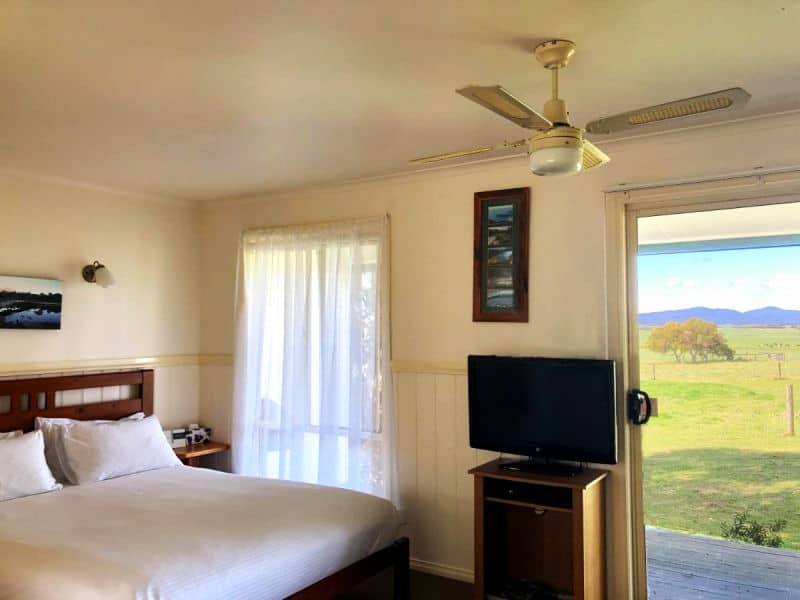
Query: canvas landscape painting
x=30, y=303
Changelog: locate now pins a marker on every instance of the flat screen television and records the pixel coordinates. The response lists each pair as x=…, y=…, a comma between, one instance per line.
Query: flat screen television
x=554, y=408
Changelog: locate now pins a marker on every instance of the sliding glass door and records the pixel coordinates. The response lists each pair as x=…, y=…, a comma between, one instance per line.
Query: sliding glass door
x=714, y=337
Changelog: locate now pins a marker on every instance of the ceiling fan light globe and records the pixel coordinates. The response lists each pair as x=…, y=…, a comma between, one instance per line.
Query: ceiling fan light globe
x=559, y=160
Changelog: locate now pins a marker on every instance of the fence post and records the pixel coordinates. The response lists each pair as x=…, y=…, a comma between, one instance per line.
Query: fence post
x=790, y=409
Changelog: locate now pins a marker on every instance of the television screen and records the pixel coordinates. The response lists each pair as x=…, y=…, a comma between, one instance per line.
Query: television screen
x=561, y=409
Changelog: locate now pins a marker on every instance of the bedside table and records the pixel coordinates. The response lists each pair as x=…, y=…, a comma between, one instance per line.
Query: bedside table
x=190, y=455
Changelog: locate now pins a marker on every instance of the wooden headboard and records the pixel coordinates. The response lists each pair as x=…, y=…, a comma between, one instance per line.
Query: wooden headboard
x=31, y=398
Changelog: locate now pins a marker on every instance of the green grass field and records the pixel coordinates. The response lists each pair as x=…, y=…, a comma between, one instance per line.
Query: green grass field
x=719, y=446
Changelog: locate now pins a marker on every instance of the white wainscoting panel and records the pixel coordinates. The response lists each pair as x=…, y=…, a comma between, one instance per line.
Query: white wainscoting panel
x=434, y=457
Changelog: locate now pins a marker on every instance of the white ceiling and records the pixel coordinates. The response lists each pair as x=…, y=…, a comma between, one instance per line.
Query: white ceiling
x=207, y=98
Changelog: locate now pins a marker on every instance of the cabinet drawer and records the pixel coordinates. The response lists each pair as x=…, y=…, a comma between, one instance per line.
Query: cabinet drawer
x=529, y=493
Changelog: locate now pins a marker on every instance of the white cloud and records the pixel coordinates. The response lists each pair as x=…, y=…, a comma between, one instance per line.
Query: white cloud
x=677, y=282
x=785, y=282
x=740, y=281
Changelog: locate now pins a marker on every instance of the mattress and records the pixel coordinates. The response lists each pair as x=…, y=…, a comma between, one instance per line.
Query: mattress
x=185, y=533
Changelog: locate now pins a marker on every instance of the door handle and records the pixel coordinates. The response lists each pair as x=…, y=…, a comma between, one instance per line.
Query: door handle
x=636, y=400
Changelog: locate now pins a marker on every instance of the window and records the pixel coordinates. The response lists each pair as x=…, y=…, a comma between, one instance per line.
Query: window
x=313, y=394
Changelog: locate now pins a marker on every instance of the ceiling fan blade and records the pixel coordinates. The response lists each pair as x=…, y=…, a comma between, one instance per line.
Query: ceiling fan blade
x=593, y=156
x=460, y=153
x=499, y=101
x=722, y=100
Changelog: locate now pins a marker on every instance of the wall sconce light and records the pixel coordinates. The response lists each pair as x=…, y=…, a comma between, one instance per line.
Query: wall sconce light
x=97, y=273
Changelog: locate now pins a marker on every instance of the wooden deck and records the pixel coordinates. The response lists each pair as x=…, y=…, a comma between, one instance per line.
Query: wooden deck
x=693, y=567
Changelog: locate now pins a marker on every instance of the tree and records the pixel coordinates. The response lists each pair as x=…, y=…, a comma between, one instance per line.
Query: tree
x=719, y=347
x=666, y=338
x=695, y=337
x=698, y=336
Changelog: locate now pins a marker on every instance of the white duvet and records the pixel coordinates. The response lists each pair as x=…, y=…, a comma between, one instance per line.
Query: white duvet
x=185, y=533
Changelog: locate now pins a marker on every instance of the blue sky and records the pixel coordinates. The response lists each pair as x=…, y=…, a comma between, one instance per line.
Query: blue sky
x=737, y=279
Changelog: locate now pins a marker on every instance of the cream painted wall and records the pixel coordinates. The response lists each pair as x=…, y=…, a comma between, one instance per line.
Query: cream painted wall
x=431, y=293
x=432, y=239
x=51, y=228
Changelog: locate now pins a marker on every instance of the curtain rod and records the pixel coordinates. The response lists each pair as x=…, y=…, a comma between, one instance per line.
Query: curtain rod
x=754, y=172
x=385, y=216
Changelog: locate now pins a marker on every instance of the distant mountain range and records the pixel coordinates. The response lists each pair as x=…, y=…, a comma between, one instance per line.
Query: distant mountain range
x=769, y=316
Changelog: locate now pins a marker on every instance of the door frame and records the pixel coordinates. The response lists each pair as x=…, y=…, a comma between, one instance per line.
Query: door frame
x=623, y=209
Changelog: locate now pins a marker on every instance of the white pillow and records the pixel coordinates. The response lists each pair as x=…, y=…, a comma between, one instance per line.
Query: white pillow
x=53, y=430
x=101, y=451
x=10, y=434
x=23, y=469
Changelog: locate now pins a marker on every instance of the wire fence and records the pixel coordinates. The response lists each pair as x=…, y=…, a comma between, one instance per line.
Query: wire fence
x=757, y=365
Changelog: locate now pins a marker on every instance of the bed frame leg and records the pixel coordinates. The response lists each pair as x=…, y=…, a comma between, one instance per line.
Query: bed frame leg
x=402, y=584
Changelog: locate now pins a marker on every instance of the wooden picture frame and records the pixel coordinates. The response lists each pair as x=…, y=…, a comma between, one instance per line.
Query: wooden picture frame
x=500, y=257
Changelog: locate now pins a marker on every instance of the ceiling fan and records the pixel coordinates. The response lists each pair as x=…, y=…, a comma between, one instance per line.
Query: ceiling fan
x=558, y=148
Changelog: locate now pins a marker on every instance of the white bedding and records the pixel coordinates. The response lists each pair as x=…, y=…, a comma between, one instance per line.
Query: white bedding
x=185, y=533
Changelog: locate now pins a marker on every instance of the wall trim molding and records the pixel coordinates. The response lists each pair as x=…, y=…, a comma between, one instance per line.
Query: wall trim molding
x=91, y=364
x=398, y=366
x=220, y=359
x=430, y=366
x=441, y=570
x=100, y=188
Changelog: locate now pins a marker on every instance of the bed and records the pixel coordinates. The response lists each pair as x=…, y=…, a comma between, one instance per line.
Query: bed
x=183, y=532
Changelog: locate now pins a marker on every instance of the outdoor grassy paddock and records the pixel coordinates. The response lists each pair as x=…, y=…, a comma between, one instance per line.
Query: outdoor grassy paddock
x=719, y=445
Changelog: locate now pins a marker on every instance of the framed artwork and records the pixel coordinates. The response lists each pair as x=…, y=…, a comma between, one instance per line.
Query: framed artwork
x=30, y=303
x=500, y=262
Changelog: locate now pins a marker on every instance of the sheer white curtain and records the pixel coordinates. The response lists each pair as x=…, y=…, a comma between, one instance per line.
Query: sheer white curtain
x=312, y=390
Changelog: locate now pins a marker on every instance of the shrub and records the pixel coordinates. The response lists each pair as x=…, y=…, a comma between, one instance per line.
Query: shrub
x=746, y=529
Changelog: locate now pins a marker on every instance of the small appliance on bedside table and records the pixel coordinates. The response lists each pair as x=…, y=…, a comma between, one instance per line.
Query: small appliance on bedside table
x=193, y=442
x=197, y=435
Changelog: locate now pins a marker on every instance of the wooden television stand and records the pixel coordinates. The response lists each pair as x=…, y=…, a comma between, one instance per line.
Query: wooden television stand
x=546, y=529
